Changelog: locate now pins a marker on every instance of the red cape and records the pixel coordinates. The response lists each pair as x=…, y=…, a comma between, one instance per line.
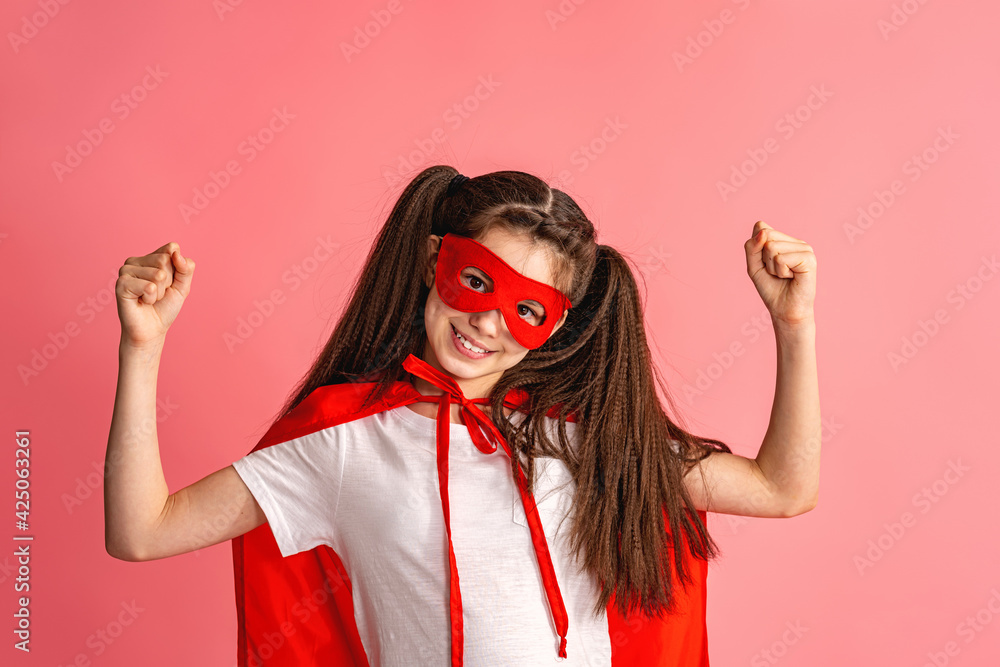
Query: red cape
x=298, y=611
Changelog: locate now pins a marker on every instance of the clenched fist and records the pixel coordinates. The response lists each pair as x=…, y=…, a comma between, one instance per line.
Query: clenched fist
x=150, y=292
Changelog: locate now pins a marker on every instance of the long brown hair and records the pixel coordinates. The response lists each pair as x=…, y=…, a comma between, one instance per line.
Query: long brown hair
x=631, y=508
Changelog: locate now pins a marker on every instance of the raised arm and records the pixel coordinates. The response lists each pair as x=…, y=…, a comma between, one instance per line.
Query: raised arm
x=783, y=479
x=142, y=521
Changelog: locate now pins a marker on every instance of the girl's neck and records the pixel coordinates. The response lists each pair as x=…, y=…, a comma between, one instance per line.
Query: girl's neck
x=430, y=409
x=470, y=388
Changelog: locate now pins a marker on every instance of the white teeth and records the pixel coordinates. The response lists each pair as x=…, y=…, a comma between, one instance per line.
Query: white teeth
x=468, y=345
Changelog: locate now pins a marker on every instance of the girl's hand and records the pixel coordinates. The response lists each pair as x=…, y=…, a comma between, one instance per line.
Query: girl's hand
x=783, y=269
x=150, y=292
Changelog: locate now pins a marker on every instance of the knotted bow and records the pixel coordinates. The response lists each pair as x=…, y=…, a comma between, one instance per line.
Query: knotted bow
x=480, y=426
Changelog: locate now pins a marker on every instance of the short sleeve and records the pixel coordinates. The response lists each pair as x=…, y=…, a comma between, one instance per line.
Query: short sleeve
x=297, y=485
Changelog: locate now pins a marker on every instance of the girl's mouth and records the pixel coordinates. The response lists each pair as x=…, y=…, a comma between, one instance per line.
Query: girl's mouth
x=467, y=348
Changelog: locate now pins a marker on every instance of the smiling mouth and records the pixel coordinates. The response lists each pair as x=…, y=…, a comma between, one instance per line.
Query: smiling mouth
x=467, y=344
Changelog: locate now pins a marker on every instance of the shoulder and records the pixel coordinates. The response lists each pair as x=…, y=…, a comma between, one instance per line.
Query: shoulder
x=332, y=405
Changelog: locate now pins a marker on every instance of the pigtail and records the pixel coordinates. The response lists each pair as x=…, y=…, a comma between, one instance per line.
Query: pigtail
x=383, y=322
x=631, y=512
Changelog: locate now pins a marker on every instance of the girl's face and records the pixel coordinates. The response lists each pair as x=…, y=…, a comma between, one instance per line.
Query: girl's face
x=477, y=372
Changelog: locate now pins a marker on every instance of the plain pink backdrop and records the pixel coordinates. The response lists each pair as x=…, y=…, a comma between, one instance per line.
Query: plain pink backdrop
x=639, y=110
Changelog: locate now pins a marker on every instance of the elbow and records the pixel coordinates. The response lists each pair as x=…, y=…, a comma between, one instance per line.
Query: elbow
x=121, y=551
x=799, y=506
x=125, y=540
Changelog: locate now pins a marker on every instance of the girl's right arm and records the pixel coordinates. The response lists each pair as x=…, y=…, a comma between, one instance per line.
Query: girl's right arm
x=142, y=521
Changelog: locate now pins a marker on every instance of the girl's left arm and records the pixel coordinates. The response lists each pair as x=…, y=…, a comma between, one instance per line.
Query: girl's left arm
x=783, y=479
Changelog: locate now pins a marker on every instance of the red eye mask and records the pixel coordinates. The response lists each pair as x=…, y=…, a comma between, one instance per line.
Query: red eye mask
x=509, y=289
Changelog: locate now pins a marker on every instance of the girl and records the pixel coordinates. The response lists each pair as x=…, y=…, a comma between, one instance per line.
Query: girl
x=377, y=521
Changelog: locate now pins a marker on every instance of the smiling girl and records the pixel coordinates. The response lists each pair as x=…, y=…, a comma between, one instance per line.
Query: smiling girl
x=477, y=468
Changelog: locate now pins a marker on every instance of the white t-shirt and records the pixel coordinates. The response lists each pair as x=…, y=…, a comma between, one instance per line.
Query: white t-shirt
x=368, y=488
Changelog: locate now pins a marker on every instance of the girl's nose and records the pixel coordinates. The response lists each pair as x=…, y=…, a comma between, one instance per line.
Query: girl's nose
x=489, y=323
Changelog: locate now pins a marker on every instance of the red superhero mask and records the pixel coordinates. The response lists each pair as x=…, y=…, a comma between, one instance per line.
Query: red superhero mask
x=508, y=290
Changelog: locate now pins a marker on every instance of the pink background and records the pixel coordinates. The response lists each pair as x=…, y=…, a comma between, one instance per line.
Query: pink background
x=662, y=135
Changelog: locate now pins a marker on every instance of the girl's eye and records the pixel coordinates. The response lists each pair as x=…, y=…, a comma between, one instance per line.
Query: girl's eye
x=530, y=314
x=475, y=282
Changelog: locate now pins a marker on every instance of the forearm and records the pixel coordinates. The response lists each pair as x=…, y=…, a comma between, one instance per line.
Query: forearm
x=789, y=455
x=135, y=490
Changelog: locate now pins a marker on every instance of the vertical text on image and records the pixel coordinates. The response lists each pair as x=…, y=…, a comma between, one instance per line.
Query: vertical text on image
x=23, y=551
